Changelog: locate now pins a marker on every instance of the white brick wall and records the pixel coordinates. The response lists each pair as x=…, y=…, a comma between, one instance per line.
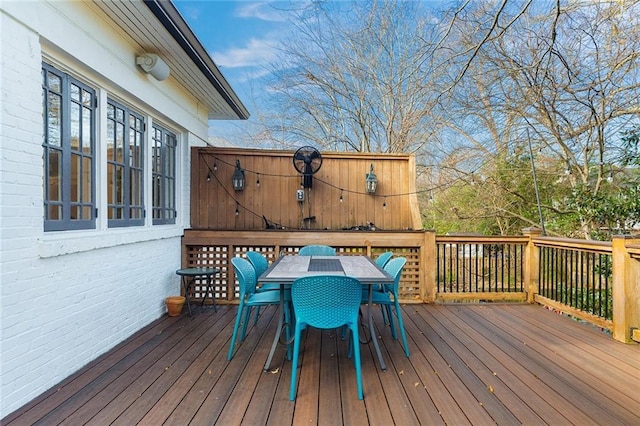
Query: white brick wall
x=64, y=300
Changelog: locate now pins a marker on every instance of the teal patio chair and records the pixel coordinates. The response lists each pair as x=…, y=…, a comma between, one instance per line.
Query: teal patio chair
x=381, y=261
x=246, y=275
x=259, y=261
x=390, y=299
x=317, y=250
x=260, y=264
x=384, y=258
x=326, y=302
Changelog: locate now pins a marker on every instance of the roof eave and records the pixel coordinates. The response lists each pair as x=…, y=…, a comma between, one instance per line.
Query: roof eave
x=166, y=12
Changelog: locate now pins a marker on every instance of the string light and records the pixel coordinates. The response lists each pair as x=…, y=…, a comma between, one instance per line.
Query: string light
x=429, y=191
x=212, y=175
x=322, y=181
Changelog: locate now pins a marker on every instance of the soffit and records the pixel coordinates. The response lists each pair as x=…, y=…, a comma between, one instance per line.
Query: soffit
x=157, y=27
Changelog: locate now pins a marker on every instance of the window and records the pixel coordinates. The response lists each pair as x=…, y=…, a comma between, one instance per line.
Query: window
x=164, y=176
x=125, y=166
x=69, y=143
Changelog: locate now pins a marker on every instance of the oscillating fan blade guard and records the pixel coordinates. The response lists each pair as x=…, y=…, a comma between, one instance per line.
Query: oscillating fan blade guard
x=307, y=160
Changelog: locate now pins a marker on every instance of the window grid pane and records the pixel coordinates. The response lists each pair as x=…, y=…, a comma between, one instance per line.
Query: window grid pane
x=68, y=146
x=54, y=120
x=163, y=161
x=125, y=146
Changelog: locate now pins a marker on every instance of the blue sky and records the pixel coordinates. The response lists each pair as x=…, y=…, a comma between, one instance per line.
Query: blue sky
x=240, y=37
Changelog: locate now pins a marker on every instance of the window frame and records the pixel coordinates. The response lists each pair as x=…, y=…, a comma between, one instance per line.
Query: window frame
x=67, y=151
x=163, y=175
x=126, y=205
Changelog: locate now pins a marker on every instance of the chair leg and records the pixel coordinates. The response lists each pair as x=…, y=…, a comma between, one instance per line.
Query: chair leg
x=385, y=321
x=344, y=329
x=401, y=326
x=247, y=317
x=391, y=324
x=235, y=331
x=355, y=339
x=294, y=361
x=387, y=310
x=288, y=324
x=255, y=320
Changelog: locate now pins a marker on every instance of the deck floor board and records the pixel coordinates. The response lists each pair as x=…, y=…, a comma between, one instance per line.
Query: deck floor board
x=530, y=367
x=589, y=375
x=469, y=364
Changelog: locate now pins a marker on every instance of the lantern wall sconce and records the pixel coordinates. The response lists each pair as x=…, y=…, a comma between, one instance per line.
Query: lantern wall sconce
x=238, y=177
x=371, y=181
x=154, y=65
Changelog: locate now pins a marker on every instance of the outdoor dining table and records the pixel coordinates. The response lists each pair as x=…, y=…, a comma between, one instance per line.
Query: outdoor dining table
x=286, y=269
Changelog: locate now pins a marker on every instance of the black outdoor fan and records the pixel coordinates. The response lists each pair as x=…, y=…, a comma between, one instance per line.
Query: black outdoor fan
x=307, y=160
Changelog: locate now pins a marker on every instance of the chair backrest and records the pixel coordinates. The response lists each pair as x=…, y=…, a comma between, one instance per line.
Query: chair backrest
x=259, y=262
x=384, y=258
x=394, y=268
x=246, y=275
x=326, y=301
x=317, y=250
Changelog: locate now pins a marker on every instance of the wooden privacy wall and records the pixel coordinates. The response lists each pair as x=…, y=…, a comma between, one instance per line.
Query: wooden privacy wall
x=272, y=183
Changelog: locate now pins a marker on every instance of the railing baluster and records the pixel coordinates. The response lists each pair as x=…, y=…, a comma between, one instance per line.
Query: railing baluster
x=571, y=279
x=581, y=304
x=476, y=272
x=462, y=262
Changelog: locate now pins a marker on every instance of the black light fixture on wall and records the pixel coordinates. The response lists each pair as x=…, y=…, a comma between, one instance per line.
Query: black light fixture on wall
x=371, y=181
x=238, y=177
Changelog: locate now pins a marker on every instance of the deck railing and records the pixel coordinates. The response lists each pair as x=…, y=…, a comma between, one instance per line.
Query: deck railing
x=579, y=277
x=480, y=268
x=594, y=281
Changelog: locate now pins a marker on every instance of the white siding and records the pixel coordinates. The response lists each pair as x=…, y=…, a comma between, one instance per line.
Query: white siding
x=68, y=297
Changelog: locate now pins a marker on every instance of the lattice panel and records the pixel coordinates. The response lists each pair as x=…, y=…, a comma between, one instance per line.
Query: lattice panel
x=351, y=251
x=268, y=251
x=226, y=286
x=409, y=289
x=209, y=257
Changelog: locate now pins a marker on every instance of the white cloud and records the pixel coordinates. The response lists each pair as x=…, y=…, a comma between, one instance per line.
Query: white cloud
x=191, y=13
x=257, y=52
x=260, y=10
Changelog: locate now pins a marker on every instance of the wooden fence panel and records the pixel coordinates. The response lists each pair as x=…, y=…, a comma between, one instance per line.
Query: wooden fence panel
x=337, y=200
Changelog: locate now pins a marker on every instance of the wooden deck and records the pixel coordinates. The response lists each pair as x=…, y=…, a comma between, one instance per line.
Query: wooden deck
x=469, y=364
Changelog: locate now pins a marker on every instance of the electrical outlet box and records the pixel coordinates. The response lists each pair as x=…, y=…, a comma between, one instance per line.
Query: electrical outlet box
x=300, y=195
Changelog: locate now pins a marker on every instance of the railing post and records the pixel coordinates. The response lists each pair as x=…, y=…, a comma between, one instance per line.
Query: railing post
x=626, y=289
x=428, y=268
x=531, y=263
